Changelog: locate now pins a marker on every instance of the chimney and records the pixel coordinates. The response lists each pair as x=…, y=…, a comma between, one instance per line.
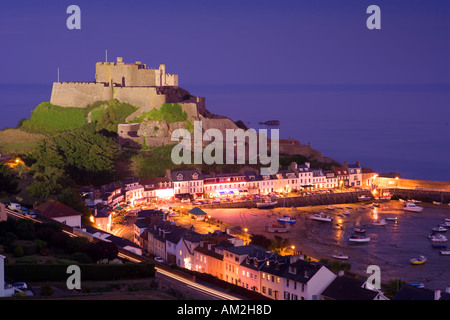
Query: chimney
x=345, y=164
x=437, y=294
x=358, y=163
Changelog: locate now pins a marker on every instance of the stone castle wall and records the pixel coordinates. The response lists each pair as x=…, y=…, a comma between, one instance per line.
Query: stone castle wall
x=133, y=75
x=79, y=94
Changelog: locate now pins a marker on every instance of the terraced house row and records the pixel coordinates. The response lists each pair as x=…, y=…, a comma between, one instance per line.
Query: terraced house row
x=249, y=266
x=193, y=184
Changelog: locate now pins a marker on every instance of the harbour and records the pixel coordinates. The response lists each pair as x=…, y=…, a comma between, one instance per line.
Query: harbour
x=392, y=245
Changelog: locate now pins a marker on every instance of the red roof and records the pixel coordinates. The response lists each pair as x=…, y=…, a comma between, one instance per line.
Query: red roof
x=55, y=209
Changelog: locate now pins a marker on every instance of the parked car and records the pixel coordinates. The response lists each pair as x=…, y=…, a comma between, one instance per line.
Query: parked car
x=14, y=207
x=159, y=259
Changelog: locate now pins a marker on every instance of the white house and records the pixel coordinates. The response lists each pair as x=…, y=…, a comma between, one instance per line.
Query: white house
x=290, y=278
x=354, y=175
x=59, y=212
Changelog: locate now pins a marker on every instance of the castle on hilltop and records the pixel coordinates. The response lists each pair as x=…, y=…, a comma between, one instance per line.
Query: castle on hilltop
x=132, y=83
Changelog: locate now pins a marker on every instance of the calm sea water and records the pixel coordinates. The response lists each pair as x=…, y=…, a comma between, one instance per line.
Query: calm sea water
x=401, y=128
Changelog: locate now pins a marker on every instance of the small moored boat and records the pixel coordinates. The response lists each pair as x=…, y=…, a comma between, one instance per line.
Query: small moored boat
x=419, y=260
x=321, y=217
x=340, y=256
x=391, y=218
x=364, y=198
x=266, y=205
x=445, y=252
x=411, y=206
x=439, y=229
x=359, y=230
x=381, y=222
x=287, y=219
x=358, y=238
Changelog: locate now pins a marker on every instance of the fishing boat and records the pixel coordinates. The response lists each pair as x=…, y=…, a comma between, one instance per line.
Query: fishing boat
x=359, y=230
x=340, y=256
x=411, y=206
x=381, y=222
x=439, y=229
x=266, y=205
x=358, y=238
x=287, y=219
x=445, y=252
x=321, y=217
x=419, y=260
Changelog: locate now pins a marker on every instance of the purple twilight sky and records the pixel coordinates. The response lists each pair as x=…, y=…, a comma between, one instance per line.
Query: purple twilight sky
x=227, y=42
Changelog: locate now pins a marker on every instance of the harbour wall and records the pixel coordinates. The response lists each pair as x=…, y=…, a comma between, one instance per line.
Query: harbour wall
x=423, y=195
x=300, y=201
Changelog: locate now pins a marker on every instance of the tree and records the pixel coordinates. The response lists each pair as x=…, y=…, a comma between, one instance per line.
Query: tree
x=8, y=181
x=279, y=244
x=260, y=240
x=102, y=250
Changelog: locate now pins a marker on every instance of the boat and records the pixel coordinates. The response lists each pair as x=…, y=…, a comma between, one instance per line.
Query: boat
x=391, y=218
x=331, y=208
x=349, y=207
x=385, y=197
x=401, y=200
x=321, y=217
x=438, y=245
x=416, y=284
x=266, y=205
x=358, y=238
x=287, y=219
x=346, y=212
x=411, y=206
x=376, y=205
x=419, y=260
x=381, y=222
x=438, y=237
x=447, y=219
x=340, y=256
x=439, y=229
x=359, y=230
x=445, y=224
x=437, y=203
x=275, y=228
x=364, y=198
x=445, y=252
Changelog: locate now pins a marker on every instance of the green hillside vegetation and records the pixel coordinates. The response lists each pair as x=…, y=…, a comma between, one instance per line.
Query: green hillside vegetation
x=47, y=118
x=169, y=112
